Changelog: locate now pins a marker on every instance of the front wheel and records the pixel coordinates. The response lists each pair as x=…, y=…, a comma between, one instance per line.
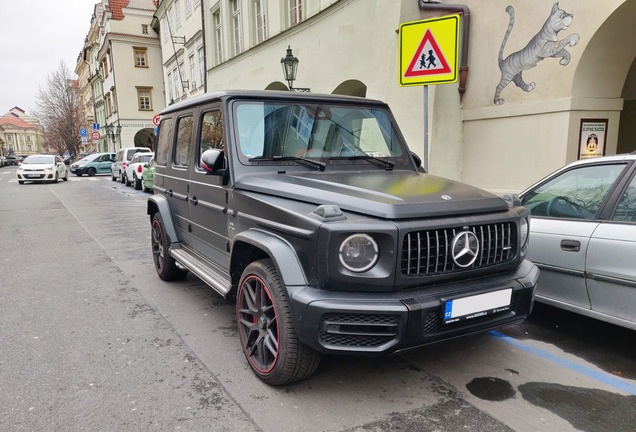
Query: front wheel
x=165, y=265
x=92, y=172
x=266, y=329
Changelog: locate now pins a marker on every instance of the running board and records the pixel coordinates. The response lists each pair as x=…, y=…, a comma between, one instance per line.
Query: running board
x=203, y=270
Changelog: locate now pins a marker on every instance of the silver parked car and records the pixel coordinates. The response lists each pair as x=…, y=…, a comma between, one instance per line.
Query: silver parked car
x=583, y=238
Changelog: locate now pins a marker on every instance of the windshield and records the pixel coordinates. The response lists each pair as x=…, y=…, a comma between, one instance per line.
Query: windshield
x=278, y=131
x=38, y=160
x=89, y=158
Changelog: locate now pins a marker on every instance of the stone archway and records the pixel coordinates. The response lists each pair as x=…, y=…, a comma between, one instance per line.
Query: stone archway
x=145, y=138
x=351, y=88
x=276, y=85
x=605, y=77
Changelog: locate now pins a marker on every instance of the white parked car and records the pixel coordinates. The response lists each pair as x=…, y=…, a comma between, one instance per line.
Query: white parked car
x=122, y=158
x=42, y=168
x=135, y=168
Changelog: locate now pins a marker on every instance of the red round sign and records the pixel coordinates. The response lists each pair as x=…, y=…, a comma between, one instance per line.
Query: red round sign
x=156, y=119
x=95, y=135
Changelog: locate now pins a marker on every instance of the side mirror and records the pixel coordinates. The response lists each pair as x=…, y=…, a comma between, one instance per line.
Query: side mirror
x=212, y=161
x=418, y=162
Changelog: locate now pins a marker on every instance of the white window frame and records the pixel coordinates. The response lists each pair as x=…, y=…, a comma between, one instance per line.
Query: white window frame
x=218, y=35
x=295, y=12
x=260, y=20
x=201, y=55
x=237, y=34
x=193, y=72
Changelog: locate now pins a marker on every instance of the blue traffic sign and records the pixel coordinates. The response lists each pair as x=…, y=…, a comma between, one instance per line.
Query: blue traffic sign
x=83, y=132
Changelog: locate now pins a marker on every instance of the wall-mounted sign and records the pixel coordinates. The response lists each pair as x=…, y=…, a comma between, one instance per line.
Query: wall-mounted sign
x=592, y=138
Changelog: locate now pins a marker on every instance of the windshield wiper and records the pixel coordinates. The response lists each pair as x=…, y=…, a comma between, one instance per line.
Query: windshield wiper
x=384, y=162
x=321, y=165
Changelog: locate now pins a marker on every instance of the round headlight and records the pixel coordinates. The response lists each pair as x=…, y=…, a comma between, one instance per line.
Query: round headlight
x=525, y=230
x=358, y=253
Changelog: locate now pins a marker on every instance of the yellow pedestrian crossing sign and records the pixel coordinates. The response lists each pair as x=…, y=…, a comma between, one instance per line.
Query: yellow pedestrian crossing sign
x=428, y=51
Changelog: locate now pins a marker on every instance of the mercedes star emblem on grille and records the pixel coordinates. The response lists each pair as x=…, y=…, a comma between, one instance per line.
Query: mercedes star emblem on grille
x=465, y=248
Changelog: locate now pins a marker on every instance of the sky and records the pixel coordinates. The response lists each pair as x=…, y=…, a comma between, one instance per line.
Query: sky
x=35, y=35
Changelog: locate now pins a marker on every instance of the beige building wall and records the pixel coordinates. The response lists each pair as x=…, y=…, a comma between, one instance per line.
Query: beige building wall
x=122, y=80
x=352, y=46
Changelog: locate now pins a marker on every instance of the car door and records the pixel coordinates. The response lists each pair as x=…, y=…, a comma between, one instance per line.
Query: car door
x=564, y=218
x=177, y=174
x=611, y=261
x=103, y=164
x=208, y=194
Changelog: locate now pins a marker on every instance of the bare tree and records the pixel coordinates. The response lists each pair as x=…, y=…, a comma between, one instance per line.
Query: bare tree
x=58, y=109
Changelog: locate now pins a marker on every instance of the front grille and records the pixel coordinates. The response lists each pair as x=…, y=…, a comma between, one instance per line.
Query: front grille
x=426, y=253
x=357, y=330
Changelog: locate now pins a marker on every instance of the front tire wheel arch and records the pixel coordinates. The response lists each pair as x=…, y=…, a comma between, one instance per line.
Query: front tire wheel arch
x=266, y=329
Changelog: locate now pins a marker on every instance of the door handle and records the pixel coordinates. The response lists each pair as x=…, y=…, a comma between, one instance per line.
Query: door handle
x=194, y=200
x=570, y=245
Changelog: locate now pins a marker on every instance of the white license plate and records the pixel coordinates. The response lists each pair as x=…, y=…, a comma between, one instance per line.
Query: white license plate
x=478, y=305
x=32, y=175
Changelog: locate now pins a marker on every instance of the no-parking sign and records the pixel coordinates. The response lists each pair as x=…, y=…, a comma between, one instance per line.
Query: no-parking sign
x=95, y=135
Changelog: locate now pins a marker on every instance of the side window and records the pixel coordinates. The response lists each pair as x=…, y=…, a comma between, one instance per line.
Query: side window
x=626, y=210
x=164, y=140
x=211, y=132
x=577, y=193
x=184, y=138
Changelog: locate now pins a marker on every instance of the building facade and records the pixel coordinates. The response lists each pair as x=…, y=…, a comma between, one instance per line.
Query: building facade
x=537, y=75
x=179, y=23
x=129, y=59
x=20, y=133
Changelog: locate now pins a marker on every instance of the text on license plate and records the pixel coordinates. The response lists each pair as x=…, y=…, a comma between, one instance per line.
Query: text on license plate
x=477, y=305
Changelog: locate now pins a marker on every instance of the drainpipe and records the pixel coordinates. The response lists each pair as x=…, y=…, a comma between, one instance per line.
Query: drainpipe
x=431, y=6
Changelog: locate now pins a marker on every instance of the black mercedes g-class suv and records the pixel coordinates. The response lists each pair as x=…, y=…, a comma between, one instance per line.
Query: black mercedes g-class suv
x=312, y=211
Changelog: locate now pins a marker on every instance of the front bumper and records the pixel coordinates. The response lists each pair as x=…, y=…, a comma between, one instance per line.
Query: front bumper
x=36, y=176
x=383, y=323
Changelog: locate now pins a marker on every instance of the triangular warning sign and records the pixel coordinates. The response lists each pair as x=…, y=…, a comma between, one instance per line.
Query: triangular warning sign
x=428, y=59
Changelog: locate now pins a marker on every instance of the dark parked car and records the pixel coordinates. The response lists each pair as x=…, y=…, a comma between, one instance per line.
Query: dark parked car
x=583, y=236
x=14, y=160
x=313, y=212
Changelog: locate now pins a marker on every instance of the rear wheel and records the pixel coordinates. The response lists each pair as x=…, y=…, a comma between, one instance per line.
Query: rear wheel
x=112, y=176
x=122, y=176
x=165, y=265
x=266, y=329
x=137, y=182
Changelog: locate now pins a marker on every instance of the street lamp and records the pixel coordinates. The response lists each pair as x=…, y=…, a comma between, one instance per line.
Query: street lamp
x=290, y=66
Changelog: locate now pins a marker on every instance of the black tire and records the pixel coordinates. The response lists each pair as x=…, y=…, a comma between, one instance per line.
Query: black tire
x=122, y=177
x=79, y=174
x=112, y=176
x=137, y=182
x=165, y=265
x=91, y=172
x=266, y=328
x=66, y=176
x=57, y=177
